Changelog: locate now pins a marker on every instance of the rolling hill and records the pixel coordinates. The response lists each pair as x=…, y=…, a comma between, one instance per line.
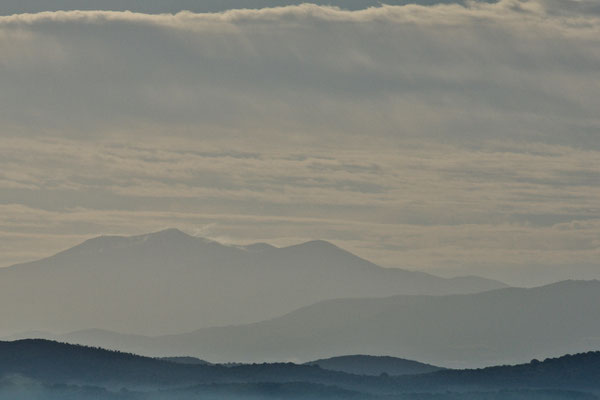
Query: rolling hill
x=374, y=365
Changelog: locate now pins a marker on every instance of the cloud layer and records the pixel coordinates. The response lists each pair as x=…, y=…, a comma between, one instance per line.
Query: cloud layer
x=446, y=136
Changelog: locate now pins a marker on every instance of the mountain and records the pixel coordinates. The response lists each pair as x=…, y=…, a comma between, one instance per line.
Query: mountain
x=46, y=370
x=170, y=282
x=503, y=326
x=374, y=365
x=509, y=325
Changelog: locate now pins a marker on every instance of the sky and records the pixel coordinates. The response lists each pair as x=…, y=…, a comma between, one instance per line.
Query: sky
x=455, y=138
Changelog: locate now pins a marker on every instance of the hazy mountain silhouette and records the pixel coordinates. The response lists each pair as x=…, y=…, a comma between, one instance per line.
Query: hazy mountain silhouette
x=374, y=365
x=52, y=368
x=170, y=282
x=502, y=326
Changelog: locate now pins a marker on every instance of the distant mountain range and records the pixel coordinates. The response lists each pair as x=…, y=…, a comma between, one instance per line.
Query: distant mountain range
x=502, y=326
x=44, y=370
x=170, y=282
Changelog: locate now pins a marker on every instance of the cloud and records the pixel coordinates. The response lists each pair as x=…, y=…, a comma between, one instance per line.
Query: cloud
x=433, y=207
x=423, y=136
x=452, y=72
x=8, y=7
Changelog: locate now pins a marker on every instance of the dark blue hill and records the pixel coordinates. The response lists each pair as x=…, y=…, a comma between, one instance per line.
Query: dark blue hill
x=53, y=369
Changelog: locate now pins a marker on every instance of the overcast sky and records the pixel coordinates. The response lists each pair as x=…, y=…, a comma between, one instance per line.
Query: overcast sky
x=456, y=138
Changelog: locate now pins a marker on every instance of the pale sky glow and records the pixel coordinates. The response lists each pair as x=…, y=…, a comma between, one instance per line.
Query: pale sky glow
x=450, y=138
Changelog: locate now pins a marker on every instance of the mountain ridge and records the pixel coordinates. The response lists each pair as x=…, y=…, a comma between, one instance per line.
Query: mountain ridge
x=170, y=282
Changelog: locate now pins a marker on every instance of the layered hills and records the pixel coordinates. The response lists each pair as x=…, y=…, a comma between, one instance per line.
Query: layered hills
x=39, y=369
x=504, y=326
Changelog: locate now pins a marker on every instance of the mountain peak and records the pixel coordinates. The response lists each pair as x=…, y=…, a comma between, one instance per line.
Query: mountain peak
x=171, y=233
x=107, y=242
x=259, y=247
x=315, y=245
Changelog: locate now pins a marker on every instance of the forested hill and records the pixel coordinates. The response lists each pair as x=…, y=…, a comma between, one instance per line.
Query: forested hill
x=374, y=365
x=48, y=364
x=578, y=371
